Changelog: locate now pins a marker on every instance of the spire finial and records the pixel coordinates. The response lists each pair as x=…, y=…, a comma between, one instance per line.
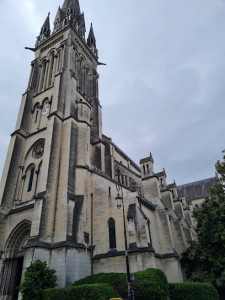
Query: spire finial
x=45, y=31
x=91, y=41
x=151, y=158
x=58, y=20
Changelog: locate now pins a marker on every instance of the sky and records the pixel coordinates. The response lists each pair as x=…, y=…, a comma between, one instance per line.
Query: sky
x=163, y=88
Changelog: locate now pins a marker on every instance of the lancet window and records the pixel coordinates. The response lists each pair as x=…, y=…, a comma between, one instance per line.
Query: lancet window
x=149, y=231
x=28, y=181
x=58, y=62
x=36, y=113
x=43, y=75
x=112, y=233
x=30, y=174
x=51, y=70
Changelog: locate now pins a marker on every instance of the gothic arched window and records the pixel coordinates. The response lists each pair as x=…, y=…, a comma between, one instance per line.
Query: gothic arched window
x=112, y=233
x=43, y=75
x=30, y=183
x=88, y=84
x=51, y=74
x=36, y=111
x=36, y=116
x=57, y=62
x=149, y=231
x=144, y=169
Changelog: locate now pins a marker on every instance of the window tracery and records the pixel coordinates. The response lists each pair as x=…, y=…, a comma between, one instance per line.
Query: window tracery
x=38, y=149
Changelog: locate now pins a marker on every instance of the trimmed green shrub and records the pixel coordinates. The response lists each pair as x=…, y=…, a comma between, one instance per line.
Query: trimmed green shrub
x=192, y=291
x=116, y=280
x=38, y=276
x=150, y=284
x=98, y=291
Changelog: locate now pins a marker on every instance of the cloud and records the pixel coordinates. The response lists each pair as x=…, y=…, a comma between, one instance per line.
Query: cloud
x=162, y=89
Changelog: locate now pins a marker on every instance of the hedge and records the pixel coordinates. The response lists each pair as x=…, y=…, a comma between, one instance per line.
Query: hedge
x=150, y=284
x=192, y=291
x=100, y=291
x=116, y=280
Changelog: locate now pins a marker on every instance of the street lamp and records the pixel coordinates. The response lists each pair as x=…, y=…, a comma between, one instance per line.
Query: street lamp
x=119, y=200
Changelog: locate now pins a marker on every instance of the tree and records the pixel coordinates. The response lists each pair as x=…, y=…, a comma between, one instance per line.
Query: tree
x=205, y=258
x=38, y=276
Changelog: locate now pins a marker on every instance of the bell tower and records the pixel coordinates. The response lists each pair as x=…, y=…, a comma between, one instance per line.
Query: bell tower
x=44, y=194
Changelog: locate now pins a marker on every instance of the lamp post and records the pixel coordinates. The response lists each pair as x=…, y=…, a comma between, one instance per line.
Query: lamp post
x=119, y=200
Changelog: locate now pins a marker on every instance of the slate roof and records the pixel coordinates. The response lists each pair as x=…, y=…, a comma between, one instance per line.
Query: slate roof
x=171, y=185
x=198, y=189
x=146, y=202
x=147, y=159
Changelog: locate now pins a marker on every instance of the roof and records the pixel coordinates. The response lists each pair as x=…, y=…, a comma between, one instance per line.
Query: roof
x=171, y=185
x=146, y=202
x=197, y=189
x=160, y=174
x=147, y=159
x=125, y=156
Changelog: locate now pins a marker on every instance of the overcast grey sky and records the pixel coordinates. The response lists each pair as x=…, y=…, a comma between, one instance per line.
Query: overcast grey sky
x=163, y=88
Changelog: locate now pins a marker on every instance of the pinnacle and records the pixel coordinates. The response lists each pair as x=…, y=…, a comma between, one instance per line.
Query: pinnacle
x=59, y=14
x=91, y=37
x=47, y=21
x=45, y=29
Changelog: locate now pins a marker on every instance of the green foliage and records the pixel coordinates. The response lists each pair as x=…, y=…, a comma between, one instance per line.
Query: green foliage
x=150, y=284
x=192, y=291
x=204, y=260
x=116, y=280
x=38, y=276
x=98, y=291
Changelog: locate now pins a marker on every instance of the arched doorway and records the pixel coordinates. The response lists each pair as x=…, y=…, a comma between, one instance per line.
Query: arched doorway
x=10, y=276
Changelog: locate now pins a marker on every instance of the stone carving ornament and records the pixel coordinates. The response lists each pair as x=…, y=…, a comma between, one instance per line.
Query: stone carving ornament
x=38, y=149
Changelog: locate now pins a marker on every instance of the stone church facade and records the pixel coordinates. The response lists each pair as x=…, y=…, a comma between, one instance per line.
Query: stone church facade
x=57, y=193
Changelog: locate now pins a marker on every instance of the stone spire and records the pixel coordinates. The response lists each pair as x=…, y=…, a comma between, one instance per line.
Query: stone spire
x=91, y=41
x=45, y=31
x=91, y=37
x=71, y=4
x=58, y=20
x=73, y=16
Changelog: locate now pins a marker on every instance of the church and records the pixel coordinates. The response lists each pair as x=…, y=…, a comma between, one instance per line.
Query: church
x=62, y=176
